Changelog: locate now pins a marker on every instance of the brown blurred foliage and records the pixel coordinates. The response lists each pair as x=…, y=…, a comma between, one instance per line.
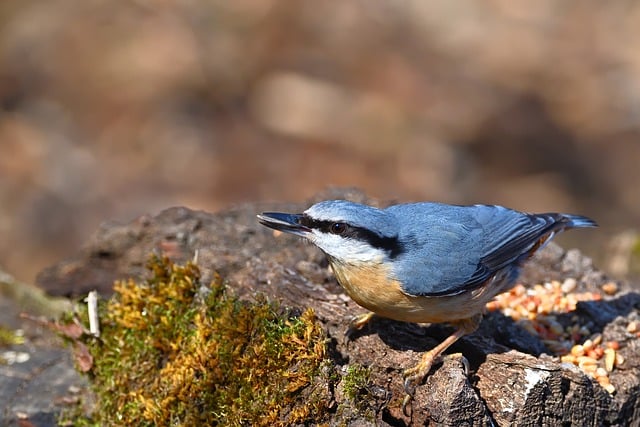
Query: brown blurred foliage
x=113, y=109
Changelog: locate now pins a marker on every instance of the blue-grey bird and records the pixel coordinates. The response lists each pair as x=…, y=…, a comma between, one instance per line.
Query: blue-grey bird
x=424, y=262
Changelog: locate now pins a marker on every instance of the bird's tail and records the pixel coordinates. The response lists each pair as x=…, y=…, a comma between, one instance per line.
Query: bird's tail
x=578, y=221
x=558, y=222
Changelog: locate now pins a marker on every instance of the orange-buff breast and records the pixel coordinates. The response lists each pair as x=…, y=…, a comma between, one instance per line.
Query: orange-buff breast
x=373, y=287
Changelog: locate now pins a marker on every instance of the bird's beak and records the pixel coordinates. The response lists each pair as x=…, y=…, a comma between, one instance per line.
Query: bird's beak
x=289, y=223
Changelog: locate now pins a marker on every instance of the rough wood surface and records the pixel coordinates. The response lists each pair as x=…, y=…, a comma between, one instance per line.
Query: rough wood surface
x=512, y=381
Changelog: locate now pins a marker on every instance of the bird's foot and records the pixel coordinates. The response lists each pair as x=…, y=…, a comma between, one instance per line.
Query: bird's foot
x=414, y=376
x=463, y=361
x=418, y=372
x=357, y=323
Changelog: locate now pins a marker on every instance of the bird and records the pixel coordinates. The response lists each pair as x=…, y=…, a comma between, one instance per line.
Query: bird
x=424, y=262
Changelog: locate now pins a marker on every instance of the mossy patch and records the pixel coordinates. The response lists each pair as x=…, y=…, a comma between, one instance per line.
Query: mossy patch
x=172, y=352
x=9, y=337
x=356, y=381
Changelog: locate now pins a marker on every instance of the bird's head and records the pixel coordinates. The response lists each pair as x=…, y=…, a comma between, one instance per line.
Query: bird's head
x=347, y=232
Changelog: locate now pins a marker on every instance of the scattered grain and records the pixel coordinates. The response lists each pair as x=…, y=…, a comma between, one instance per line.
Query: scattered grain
x=610, y=288
x=577, y=350
x=569, y=285
x=536, y=308
x=609, y=359
x=587, y=345
x=596, y=353
x=613, y=344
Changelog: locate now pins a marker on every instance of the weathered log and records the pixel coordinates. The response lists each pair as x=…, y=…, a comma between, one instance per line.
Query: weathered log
x=512, y=379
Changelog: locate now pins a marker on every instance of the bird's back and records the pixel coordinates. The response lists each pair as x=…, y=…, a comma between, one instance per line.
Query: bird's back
x=449, y=249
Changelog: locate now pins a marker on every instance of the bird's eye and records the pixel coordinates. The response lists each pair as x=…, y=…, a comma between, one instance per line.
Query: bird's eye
x=338, y=228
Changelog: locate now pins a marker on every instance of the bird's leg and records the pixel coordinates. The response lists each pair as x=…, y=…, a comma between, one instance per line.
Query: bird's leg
x=418, y=372
x=358, y=322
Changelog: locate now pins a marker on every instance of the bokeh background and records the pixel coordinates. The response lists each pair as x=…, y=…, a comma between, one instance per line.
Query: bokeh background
x=109, y=110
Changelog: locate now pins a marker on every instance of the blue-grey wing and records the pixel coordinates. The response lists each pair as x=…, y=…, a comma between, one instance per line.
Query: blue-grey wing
x=460, y=248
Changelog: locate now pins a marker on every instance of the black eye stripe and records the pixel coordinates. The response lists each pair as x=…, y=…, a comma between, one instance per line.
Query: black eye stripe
x=316, y=224
x=389, y=244
x=326, y=226
x=339, y=228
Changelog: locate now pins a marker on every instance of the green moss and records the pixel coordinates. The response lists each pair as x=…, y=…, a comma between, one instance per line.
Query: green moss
x=9, y=337
x=356, y=381
x=171, y=355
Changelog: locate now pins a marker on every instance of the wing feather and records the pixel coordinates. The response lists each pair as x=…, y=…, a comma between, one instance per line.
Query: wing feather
x=464, y=247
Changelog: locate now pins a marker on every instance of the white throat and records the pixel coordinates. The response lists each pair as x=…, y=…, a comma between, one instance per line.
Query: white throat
x=351, y=251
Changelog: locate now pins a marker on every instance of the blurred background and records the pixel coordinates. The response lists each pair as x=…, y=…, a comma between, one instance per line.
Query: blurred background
x=109, y=110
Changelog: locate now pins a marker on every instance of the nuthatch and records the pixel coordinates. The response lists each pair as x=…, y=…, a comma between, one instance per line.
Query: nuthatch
x=424, y=262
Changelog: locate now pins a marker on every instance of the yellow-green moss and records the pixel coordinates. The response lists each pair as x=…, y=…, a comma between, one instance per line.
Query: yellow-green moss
x=9, y=337
x=359, y=404
x=171, y=355
x=356, y=381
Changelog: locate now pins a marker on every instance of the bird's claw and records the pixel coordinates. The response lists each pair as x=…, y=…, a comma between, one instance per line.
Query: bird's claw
x=414, y=376
x=408, y=388
x=357, y=323
x=410, y=375
x=405, y=403
x=465, y=365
